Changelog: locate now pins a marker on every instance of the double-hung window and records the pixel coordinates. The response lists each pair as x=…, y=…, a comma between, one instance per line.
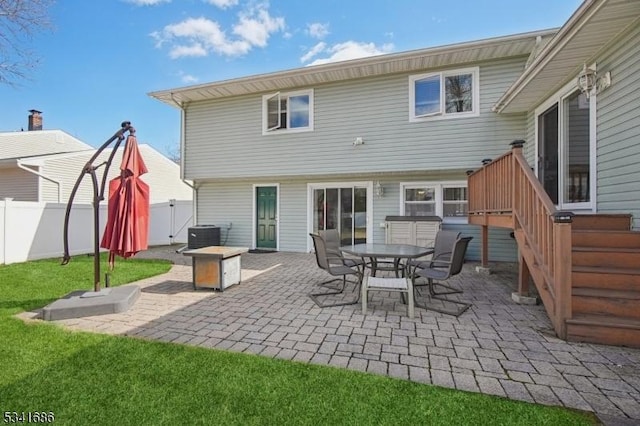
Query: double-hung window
x=449, y=200
x=445, y=94
x=287, y=111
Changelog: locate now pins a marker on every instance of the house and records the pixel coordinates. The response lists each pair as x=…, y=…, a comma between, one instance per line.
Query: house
x=43, y=165
x=346, y=144
x=287, y=153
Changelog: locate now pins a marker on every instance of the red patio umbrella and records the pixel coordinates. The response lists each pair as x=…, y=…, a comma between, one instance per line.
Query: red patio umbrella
x=127, y=228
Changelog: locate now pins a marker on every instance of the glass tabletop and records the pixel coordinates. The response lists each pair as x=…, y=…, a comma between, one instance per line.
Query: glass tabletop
x=387, y=250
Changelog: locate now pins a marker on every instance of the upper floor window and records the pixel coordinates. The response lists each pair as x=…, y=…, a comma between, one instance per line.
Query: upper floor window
x=449, y=200
x=444, y=94
x=290, y=111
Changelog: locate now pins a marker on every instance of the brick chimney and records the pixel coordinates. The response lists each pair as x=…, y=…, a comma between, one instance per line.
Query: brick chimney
x=35, y=120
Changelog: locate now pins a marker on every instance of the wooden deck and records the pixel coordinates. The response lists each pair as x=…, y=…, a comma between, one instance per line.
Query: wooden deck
x=586, y=268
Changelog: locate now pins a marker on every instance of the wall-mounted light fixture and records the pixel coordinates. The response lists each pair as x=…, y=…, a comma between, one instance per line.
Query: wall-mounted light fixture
x=378, y=189
x=358, y=141
x=590, y=83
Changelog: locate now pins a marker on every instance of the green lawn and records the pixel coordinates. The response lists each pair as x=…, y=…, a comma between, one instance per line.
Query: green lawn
x=86, y=378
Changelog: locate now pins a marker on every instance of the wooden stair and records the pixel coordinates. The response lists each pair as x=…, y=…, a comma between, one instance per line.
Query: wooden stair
x=605, y=281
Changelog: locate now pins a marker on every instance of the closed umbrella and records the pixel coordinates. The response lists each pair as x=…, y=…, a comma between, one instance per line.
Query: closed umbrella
x=127, y=228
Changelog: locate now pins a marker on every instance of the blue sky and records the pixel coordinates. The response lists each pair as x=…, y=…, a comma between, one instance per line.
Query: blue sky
x=103, y=56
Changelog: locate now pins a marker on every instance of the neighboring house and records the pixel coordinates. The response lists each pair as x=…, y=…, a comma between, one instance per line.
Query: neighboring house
x=43, y=165
x=23, y=183
x=62, y=171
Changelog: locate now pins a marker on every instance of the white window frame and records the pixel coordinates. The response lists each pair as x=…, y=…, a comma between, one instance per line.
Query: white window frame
x=266, y=130
x=559, y=98
x=442, y=114
x=439, y=197
x=311, y=187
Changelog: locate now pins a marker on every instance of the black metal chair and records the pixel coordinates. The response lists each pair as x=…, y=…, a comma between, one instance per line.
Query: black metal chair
x=441, y=251
x=336, y=266
x=440, y=269
x=332, y=242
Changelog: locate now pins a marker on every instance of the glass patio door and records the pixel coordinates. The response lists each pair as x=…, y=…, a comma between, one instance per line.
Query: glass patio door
x=564, y=152
x=344, y=209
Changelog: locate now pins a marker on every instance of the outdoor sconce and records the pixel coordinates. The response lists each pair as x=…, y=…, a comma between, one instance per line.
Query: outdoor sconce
x=358, y=141
x=378, y=189
x=589, y=83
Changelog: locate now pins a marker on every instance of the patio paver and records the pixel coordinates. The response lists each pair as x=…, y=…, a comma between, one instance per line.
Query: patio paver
x=497, y=347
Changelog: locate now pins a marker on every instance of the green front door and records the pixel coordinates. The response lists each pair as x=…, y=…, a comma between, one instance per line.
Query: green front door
x=266, y=217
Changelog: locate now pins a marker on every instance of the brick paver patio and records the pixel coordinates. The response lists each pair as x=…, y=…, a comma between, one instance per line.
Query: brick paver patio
x=497, y=347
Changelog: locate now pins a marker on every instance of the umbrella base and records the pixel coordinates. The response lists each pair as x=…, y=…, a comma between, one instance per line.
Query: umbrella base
x=82, y=303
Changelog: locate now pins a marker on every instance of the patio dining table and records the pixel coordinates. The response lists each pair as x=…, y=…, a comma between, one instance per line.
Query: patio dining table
x=375, y=252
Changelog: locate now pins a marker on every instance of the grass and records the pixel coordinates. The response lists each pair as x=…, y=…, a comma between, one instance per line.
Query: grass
x=86, y=378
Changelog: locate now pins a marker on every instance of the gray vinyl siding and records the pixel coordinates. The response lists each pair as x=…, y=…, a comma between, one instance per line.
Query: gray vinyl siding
x=49, y=192
x=224, y=137
x=18, y=184
x=232, y=202
x=529, y=148
x=227, y=203
x=618, y=152
x=502, y=247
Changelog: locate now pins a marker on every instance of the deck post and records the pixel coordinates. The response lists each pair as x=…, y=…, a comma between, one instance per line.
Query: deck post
x=485, y=246
x=562, y=265
x=524, y=275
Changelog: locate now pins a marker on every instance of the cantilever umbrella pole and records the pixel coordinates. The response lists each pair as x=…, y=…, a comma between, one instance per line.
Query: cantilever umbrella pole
x=98, y=195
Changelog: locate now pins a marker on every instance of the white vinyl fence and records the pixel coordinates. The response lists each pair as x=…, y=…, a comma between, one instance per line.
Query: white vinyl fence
x=31, y=230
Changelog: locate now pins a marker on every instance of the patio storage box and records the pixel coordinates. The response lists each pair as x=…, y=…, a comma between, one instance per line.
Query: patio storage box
x=415, y=230
x=203, y=236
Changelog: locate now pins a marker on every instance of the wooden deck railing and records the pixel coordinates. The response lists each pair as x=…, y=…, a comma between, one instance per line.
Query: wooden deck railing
x=508, y=185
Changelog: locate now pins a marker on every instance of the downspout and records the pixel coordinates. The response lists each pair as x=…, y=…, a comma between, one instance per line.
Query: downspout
x=183, y=132
x=23, y=167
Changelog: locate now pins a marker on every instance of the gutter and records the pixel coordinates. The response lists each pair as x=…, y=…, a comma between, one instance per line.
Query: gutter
x=183, y=123
x=43, y=176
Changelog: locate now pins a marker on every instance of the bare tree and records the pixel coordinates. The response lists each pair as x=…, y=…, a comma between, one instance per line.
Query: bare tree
x=20, y=21
x=173, y=153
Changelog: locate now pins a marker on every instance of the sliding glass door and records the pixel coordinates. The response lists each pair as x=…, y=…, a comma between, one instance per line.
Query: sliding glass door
x=565, y=151
x=343, y=208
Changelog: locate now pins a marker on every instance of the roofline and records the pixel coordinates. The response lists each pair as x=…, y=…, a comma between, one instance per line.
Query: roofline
x=167, y=94
x=549, y=51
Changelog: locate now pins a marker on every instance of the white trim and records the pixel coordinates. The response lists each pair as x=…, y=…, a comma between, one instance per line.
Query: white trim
x=558, y=98
x=439, y=187
x=441, y=114
x=368, y=185
x=254, y=232
x=265, y=112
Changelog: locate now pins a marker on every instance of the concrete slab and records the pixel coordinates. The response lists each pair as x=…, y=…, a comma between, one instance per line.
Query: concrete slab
x=83, y=303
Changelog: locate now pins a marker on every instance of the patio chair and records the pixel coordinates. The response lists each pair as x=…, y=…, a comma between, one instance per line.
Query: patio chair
x=335, y=266
x=402, y=285
x=332, y=241
x=442, y=270
x=441, y=253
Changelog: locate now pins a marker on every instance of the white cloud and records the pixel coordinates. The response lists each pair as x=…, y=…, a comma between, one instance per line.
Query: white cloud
x=256, y=27
x=147, y=2
x=348, y=50
x=202, y=36
x=188, y=78
x=318, y=30
x=198, y=37
x=222, y=4
x=193, y=50
x=315, y=50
